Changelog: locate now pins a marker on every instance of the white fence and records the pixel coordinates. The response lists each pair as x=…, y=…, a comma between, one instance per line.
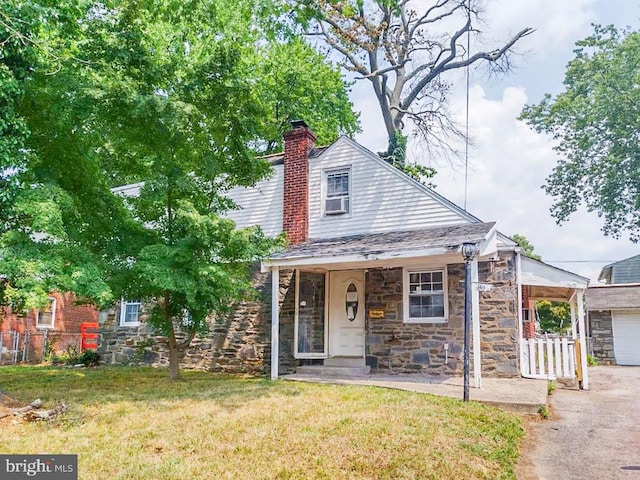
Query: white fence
x=548, y=358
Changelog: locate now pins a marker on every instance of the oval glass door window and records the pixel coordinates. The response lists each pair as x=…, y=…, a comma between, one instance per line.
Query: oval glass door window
x=352, y=302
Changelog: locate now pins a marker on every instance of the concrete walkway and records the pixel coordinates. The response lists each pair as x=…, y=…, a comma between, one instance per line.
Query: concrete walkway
x=514, y=394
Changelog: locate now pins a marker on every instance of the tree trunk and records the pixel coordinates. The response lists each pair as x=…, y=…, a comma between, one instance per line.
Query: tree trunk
x=174, y=361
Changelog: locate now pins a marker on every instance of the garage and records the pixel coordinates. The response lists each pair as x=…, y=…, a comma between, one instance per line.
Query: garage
x=626, y=336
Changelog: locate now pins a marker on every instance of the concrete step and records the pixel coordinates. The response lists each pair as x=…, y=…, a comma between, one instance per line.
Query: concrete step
x=331, y=371
x=344, y=362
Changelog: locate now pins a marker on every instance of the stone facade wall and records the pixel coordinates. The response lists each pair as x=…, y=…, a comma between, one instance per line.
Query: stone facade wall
x=395, y=346
x=499, y=317
x=392, y=345
x=286, y=361
x=239, y=343
x=600, y=326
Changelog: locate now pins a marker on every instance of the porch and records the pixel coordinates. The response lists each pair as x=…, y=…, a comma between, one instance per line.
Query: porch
x=391, y=302
x=553, y=357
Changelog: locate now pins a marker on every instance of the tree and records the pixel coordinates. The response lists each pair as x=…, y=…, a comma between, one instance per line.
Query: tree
x=523, y=243
x=405, y=49
x=296, y=82
x=163, y=92
x=554, y=317
x=35, y=257
x=595, y=123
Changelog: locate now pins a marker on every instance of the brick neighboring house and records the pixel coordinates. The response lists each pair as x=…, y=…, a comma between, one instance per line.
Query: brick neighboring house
x=613, y=310
x=372, y=280
x=58, y=324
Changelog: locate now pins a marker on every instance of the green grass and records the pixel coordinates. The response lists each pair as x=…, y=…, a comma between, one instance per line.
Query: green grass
x=132, y=423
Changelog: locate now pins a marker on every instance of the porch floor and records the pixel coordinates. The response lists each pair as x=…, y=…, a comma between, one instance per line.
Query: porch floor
x=520, y=395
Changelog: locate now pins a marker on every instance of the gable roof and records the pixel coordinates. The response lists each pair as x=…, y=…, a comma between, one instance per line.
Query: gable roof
x=538, y=273
x=622, y=271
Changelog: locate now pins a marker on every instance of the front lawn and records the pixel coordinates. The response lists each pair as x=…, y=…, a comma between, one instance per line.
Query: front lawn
x=132, y=423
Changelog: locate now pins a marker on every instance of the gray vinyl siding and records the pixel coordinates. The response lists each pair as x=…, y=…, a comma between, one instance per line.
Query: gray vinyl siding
x=260, y=205
x=382, y=199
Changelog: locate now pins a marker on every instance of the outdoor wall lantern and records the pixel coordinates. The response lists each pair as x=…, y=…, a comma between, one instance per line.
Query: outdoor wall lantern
x=469, y=252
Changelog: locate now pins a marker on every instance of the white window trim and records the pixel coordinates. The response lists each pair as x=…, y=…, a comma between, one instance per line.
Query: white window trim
x=308, y=355
x=54, y=304
x=123, y=311
x=405, y=295
x=323, y=197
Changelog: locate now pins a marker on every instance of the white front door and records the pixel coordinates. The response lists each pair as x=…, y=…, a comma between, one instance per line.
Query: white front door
x=346, y=313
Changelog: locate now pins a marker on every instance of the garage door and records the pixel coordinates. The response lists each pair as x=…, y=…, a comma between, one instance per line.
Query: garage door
x=626, y=337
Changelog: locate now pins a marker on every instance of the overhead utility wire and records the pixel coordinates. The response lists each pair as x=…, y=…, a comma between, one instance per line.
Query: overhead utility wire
x=466, y=135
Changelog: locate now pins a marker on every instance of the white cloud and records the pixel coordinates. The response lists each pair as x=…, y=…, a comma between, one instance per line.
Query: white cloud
x=507, y=168
x=555, y=22
x=510, y=162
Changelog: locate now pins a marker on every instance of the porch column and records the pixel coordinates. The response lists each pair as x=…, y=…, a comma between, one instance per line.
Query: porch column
x=475, y=316
x=583, y=340
x=519, y=310
x=572, y=304
x=275, y=321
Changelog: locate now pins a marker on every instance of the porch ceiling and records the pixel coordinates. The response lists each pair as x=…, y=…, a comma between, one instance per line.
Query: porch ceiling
x=384, y=247
x=558, y=294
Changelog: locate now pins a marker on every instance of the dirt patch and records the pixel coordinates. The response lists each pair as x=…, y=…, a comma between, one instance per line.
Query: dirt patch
x=8, y=402
x=525, y=470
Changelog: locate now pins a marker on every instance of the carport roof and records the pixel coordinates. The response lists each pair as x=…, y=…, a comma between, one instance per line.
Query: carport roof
x=397, y=244
x=547, y=282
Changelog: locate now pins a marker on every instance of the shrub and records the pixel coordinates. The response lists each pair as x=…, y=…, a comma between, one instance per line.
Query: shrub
x=544, y=411
x=90, y=358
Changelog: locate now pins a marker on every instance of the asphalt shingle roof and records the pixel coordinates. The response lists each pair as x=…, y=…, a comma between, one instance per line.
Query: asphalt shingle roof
x=448, y=237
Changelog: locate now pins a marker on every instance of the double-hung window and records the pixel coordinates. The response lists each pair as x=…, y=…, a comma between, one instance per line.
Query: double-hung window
x=130, y=313
x=337, y=197
x=425, y=296
x=46, y=317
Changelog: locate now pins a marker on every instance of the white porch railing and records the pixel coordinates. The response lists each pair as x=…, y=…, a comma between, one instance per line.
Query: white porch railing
x=548, y=358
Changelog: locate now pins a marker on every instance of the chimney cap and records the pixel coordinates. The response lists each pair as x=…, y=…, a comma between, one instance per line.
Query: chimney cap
x=299, y=124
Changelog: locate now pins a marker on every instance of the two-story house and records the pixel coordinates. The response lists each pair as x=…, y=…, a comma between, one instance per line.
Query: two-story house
x=373, y=277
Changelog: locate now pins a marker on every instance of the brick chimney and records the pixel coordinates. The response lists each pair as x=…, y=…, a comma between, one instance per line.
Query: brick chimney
x=297, y=145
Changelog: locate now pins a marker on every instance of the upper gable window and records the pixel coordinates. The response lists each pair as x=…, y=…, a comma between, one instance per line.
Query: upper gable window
x=337, y=192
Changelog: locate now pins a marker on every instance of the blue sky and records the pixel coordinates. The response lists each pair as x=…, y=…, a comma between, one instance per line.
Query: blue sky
x=509, y=162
